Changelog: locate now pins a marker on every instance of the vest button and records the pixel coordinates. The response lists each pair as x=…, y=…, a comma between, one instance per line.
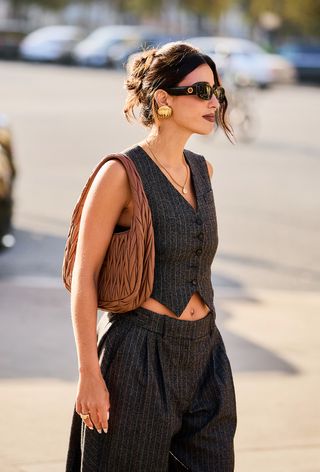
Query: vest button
x=198, y=221
x=200, y=236
x=199, y=251
x=194, y=282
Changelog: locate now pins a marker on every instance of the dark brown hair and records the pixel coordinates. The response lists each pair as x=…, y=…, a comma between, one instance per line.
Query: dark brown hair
x=162, y=68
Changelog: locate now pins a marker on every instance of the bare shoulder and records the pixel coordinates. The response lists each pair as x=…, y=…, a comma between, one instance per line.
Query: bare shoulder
x=112, y=172
x=112, y=179
x=106, y=200
x=210, y=168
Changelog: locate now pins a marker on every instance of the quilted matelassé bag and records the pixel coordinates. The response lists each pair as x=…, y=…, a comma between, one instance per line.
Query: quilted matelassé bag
x=127, y=271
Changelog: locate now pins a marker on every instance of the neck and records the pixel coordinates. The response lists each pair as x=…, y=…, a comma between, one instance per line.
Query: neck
x=168, y=146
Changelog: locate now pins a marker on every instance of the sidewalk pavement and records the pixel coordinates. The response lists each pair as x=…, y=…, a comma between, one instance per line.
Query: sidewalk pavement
x=272, y=338
x=277, y=380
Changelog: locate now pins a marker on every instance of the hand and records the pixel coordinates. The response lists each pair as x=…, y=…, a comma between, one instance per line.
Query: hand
x=93, y=398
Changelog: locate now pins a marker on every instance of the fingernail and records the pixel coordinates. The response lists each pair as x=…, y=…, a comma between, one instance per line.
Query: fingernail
x=108, y=416
x=90, y=427
x=99, y=431
x=105, y=430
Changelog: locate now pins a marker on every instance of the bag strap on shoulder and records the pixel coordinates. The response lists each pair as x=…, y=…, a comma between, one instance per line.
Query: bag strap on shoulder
x=141, y=211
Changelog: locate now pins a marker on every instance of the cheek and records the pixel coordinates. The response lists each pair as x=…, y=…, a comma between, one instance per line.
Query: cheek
x=188, y=109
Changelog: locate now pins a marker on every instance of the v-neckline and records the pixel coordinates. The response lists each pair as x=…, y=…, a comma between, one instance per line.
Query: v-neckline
x=195, y=210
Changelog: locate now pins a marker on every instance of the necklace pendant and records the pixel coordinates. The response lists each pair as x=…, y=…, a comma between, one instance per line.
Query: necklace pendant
x=184, y=190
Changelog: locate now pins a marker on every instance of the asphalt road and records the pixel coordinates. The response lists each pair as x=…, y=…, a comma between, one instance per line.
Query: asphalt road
x=267, y=194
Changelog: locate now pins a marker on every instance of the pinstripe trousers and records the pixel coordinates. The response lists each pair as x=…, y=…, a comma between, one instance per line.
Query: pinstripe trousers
x=172, y=398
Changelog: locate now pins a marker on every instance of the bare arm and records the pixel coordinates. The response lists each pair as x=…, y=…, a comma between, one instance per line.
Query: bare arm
x=210, y=169
x=106, y=199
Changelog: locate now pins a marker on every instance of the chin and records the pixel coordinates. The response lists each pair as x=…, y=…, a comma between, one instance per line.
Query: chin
x=204, y=130
x=206, y=127
x=201, y=128
x=205, y=133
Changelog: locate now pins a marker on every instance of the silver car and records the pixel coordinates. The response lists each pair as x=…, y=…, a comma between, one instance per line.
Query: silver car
x=246, y=60
x=105, y=45
x=51, y=43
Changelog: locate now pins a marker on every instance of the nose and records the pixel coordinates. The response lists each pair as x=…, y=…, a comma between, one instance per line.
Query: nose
x=214, y=102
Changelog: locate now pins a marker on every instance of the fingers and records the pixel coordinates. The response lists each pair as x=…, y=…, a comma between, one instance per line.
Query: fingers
x=104, y=419
x=97, y=418
x=88, y=422
x=85, y=411
x=100, y=419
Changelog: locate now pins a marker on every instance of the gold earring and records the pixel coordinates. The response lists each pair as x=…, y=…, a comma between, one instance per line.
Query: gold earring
x=164, y=111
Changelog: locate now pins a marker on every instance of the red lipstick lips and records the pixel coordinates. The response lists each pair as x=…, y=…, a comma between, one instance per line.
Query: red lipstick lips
x=209, y=117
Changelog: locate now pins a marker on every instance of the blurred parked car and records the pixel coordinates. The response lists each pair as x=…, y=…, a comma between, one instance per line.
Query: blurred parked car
x=110, y=46
x=306, y=59
x=120, y=53
x=11, y=34
x=247, y=60
x=51, y=43
x=7, y=176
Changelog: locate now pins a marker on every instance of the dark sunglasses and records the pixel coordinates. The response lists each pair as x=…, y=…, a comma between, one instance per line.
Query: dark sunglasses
x=203, y=90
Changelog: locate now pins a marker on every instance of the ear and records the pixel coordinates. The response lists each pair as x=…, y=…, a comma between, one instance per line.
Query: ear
x=162, y=98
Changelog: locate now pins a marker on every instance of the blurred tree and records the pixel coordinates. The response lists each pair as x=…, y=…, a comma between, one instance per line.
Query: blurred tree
x=213, y=8
x=141, y=6
x=205, y=8
x=18, y=7
x=304, y=15
x=298, y=17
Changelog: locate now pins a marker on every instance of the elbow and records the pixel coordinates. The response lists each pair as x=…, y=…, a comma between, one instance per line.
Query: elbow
x=84, y=279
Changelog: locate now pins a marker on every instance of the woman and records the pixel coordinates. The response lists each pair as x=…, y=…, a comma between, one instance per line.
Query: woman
x=158, y=392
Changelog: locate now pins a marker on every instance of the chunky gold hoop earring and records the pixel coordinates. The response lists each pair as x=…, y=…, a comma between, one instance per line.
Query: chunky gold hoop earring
x=164, y=111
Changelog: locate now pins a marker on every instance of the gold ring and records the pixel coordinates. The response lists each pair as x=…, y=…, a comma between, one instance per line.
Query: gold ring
x=84, y=416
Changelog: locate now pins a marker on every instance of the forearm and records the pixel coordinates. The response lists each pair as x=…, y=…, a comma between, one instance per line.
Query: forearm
x=84, y=320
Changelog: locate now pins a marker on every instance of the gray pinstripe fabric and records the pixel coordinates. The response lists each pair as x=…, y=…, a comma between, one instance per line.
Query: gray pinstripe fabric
x=171, y=389
x=186, y=239
x=170, y=381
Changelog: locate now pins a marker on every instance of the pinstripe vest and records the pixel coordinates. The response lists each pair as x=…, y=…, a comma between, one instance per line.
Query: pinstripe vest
x=186, y=239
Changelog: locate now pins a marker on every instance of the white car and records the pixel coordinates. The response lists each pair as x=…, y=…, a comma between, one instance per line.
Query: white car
x=103, y=44
x=51, y=43
x=246, y=60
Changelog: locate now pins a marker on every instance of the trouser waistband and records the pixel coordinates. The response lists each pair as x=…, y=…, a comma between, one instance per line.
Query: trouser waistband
x=167, y=326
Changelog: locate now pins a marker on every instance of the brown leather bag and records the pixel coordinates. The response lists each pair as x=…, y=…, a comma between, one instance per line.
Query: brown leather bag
x=127, y=272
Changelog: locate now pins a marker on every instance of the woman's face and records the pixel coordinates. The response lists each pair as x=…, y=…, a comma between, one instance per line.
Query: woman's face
x=191, y=113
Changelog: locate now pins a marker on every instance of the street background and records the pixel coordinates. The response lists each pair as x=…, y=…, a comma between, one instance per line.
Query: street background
x=266, y=273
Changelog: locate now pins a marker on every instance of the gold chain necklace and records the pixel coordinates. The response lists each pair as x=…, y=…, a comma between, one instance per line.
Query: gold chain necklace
x=183, y=187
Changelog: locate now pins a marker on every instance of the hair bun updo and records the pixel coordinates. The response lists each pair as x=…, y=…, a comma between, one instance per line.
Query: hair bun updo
x=134, y=82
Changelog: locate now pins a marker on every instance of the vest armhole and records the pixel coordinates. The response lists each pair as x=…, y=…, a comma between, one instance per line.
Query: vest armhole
x=205, y=169
x=201, y=164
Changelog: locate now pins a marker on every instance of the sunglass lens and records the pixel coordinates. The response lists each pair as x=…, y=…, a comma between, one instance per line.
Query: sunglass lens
x=207, y=92
x=204, y=91
x=219, y=93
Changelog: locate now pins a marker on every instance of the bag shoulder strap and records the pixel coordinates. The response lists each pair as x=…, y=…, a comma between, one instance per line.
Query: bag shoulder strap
x=133, y=176
x=141, y=211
